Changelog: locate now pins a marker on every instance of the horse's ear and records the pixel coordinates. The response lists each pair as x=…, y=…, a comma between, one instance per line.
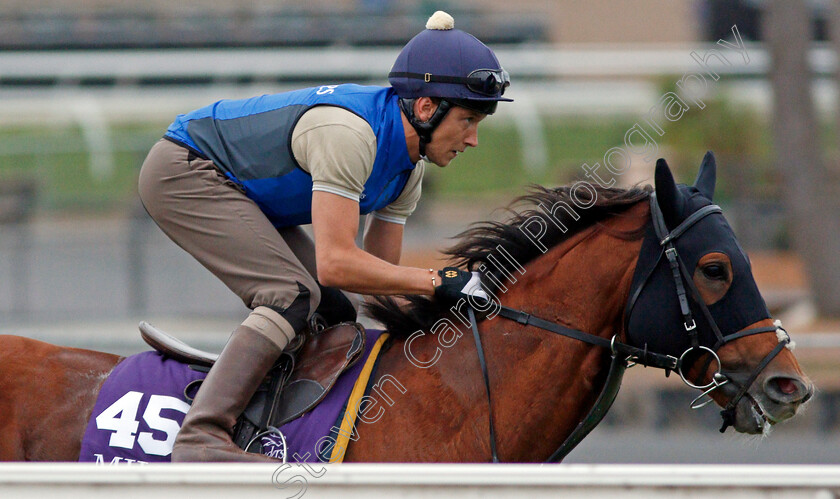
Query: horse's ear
x=705, y=182
x=667, y=195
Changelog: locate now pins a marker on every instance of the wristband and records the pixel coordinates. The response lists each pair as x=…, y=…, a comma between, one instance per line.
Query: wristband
x=434, y=283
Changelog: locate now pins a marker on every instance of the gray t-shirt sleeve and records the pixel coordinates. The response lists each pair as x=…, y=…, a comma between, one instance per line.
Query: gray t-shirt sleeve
x=402, y=207
x=337, y=148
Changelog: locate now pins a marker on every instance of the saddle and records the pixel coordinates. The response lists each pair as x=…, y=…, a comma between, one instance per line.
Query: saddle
x=303, y=375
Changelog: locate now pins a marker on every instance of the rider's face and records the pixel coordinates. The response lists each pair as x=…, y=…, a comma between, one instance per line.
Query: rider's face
x=457, y=131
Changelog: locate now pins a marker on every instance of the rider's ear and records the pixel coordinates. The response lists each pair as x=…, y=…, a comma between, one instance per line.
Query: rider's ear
x=705, y=182
x=667, y=195
x=424, y=108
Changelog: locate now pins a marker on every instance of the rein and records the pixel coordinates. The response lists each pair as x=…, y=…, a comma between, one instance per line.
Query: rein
x=624, y=355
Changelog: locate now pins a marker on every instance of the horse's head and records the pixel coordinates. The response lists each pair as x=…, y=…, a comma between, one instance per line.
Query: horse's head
x=694, y=297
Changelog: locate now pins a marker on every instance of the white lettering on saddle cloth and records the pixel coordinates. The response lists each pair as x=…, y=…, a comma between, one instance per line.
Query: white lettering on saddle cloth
x=274, y=445
x=121, y=418
x=139, y=411
x=100, y=460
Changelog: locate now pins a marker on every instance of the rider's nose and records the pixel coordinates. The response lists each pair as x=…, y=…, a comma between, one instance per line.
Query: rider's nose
x=472, y=139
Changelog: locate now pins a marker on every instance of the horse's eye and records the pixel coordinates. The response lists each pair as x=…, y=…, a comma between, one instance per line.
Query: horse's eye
x=715, y=271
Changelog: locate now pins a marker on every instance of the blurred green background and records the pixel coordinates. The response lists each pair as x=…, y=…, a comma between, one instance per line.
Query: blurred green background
x=57, y=159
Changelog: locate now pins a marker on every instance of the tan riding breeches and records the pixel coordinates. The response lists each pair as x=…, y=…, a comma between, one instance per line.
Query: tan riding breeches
x=208, y=215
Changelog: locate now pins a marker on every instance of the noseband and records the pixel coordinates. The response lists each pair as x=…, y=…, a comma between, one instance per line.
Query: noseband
x=624, y=355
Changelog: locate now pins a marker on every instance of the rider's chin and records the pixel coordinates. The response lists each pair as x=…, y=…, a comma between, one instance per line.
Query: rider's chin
x=440, y=162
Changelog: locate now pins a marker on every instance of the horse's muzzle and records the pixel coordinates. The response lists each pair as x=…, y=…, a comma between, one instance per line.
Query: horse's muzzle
x=773, y=398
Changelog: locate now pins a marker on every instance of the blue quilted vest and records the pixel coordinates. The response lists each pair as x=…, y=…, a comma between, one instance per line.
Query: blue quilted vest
x=250, y=141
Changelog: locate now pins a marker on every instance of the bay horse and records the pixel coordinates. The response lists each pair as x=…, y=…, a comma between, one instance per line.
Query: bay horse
x=582, y=280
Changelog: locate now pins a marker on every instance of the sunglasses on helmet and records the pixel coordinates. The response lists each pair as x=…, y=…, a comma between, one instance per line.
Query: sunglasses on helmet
x=490, y=82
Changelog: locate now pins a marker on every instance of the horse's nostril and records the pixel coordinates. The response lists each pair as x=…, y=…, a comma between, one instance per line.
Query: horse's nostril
x=788, y=390
x=786, y=385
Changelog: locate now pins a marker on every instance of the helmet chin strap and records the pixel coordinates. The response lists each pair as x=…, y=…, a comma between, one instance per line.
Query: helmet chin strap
x=424, y=128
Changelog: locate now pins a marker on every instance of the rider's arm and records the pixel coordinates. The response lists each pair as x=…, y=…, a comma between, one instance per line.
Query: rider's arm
x=384, y=234
x=401, y=208
x=383, y=239
x=342, y=264
x=338, y=148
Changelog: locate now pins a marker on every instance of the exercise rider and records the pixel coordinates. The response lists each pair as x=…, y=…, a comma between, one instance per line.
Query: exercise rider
x=231, y=183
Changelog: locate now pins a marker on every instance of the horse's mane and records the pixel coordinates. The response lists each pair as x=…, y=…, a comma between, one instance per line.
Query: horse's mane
x=499, y=242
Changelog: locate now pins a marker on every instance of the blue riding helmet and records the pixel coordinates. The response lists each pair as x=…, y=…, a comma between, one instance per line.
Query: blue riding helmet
x=451, y=65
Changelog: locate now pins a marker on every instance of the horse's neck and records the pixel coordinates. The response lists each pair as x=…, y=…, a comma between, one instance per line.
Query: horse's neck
x=541, y=383
x=544, y=383
x=584, y=282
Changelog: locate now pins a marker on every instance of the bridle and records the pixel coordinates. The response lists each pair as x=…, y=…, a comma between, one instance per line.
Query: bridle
x=624, y=355
x=681, y=274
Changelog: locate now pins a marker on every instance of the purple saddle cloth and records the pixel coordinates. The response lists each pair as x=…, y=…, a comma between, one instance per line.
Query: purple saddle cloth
x=141, y=406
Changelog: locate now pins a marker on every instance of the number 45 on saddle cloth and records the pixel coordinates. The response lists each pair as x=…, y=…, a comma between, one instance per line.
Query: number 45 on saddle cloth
x=142, y=404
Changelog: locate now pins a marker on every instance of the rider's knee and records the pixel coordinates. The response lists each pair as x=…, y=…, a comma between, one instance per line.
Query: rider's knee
x=294, y=305
x=270, y=324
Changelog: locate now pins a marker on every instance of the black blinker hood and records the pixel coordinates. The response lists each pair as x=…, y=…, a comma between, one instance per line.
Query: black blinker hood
x=653, y=315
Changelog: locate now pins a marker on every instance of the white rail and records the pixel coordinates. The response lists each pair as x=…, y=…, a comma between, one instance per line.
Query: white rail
x=439, y=480
x=297, y=63
x=522, y=61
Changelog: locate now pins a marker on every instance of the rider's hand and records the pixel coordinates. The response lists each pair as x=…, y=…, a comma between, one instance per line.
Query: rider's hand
x=456, y=284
